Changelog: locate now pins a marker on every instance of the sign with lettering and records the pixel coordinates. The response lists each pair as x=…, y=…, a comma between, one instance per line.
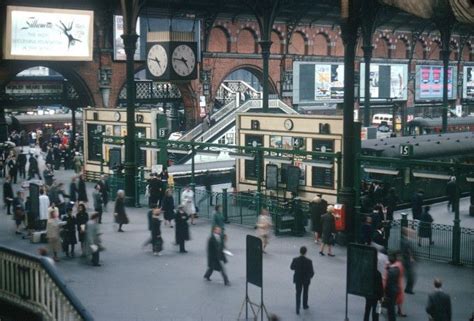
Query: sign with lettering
x=406, y=150
x=48, y=34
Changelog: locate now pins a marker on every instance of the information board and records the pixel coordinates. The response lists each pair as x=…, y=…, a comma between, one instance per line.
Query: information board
x=387, y=81
x=321, y=176
x=251, y=165
x=361, y=270
x=254, y=260
x=271, y=177
x=293, y=178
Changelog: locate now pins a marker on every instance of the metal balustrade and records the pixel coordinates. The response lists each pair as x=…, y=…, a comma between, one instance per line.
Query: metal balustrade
x=31, y=283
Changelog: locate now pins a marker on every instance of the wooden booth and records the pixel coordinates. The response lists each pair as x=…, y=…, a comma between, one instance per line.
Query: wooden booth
x=102, y=123
x=315, y=174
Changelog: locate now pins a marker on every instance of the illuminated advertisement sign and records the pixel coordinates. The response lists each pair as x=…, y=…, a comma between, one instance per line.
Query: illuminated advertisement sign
x=119, y=47
x=429, y=83
x=468, y=83
x=317, y=82
x=48, y=34
x=387, y=81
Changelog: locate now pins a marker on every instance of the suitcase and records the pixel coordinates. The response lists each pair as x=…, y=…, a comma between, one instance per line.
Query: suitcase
x=39, y=237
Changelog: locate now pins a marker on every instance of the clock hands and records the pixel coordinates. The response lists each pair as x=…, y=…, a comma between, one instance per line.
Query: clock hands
x=157, y=61
x=183, y=60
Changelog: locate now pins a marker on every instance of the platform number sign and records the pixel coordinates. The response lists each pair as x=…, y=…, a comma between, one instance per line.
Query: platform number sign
x=162, y=132
x=406, y=150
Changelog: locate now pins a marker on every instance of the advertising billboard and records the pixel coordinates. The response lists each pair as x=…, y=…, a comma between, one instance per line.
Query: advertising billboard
x=387, y=81
x=429, y=82
x=318, y=82
x=468, y=83
x=119, y=47
x=48, y=34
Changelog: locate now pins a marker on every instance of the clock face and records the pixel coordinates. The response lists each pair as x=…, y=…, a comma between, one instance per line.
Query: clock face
x=288, y=124
x=184, y=60
x=117, y=116
x=157, y=60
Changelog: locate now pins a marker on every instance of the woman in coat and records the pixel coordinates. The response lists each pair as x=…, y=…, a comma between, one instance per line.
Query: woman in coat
x=182, y=228
x=264, y=226
x=424, y=227
x=93, y=239
x=119, y=211
x=52, y=233
x=317, y=208
x=81, y=220
x=73, y=190
x=69, y=233
x=168, y=207
x=81, y=190
x=328, y=228
x=187, y=199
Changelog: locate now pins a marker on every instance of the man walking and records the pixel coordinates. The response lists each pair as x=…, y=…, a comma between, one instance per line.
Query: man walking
x=304, y=272
x=439, y=303
x=215, y=255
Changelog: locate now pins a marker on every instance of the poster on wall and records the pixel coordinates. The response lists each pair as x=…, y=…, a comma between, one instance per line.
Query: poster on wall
x=468, y=83
x=329, y=82
x=387, y=81
x=48, y=34
x=429, y=82
x=119, y=47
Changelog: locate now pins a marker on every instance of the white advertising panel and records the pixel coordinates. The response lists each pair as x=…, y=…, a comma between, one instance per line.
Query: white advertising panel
x=119, y=47
x=318, y=82
x=387, y=81
x=468, y=83
x=48, y=34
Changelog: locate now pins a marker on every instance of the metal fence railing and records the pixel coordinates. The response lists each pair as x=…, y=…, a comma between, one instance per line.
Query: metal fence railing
x=440, y=247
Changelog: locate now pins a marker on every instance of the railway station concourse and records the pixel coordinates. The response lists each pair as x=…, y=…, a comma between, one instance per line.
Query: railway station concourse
x=251, y=105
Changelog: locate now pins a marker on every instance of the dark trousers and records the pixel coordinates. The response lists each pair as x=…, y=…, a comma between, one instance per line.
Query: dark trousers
x=68, y=248
x=371, y=304
x=410, y=276
x=181, y=246
x=8, y=204
x=301, y=287
x=391, y=315
x=22, y=171
x=99, y=212
x=95, y=258
x=224, y=275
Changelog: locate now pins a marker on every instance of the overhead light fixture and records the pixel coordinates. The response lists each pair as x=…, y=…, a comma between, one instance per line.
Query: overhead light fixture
x=431, y=175
x=242, y=156
x=384, y=171
x=178, y=151
x=470, y=179
x=278, y=160
x=318, y=163
x=208, y=152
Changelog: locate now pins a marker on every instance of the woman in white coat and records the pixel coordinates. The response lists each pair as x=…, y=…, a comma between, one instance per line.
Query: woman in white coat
x=187, y=200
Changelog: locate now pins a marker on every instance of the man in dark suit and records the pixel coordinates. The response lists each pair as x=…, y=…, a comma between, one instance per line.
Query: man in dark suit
x=215, y=255
x=303, y=268
x=439, y=303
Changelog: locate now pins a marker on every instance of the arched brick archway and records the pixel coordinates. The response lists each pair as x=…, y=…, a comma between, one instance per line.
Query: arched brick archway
x=277, y=43
x=247, y=41
x=9, y=70
x=298, y=43
x=219, y=40
x=254, y=69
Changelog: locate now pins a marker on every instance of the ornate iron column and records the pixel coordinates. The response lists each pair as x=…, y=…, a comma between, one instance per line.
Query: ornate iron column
x=130, y=10
x=265, y=45
x=370, y=9
x=349, y=33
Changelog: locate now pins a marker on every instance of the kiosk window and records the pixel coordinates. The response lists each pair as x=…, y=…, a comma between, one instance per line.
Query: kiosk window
x=94, y=141
x=323, y=177
x=251, y=165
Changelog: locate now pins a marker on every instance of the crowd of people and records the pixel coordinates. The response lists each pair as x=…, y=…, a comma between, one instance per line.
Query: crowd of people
x=64, y=217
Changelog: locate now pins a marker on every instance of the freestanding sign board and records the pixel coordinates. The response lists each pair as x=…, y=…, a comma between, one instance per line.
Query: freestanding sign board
x=361, y=270
x=254, y=260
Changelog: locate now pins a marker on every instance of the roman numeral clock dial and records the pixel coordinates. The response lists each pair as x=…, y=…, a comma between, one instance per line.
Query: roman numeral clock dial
x=183, y=60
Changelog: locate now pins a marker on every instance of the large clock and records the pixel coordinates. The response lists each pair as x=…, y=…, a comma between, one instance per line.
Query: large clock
x=157, y=60
x=183, y=60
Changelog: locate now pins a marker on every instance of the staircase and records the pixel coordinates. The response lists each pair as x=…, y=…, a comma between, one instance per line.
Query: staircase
x=31, y=289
